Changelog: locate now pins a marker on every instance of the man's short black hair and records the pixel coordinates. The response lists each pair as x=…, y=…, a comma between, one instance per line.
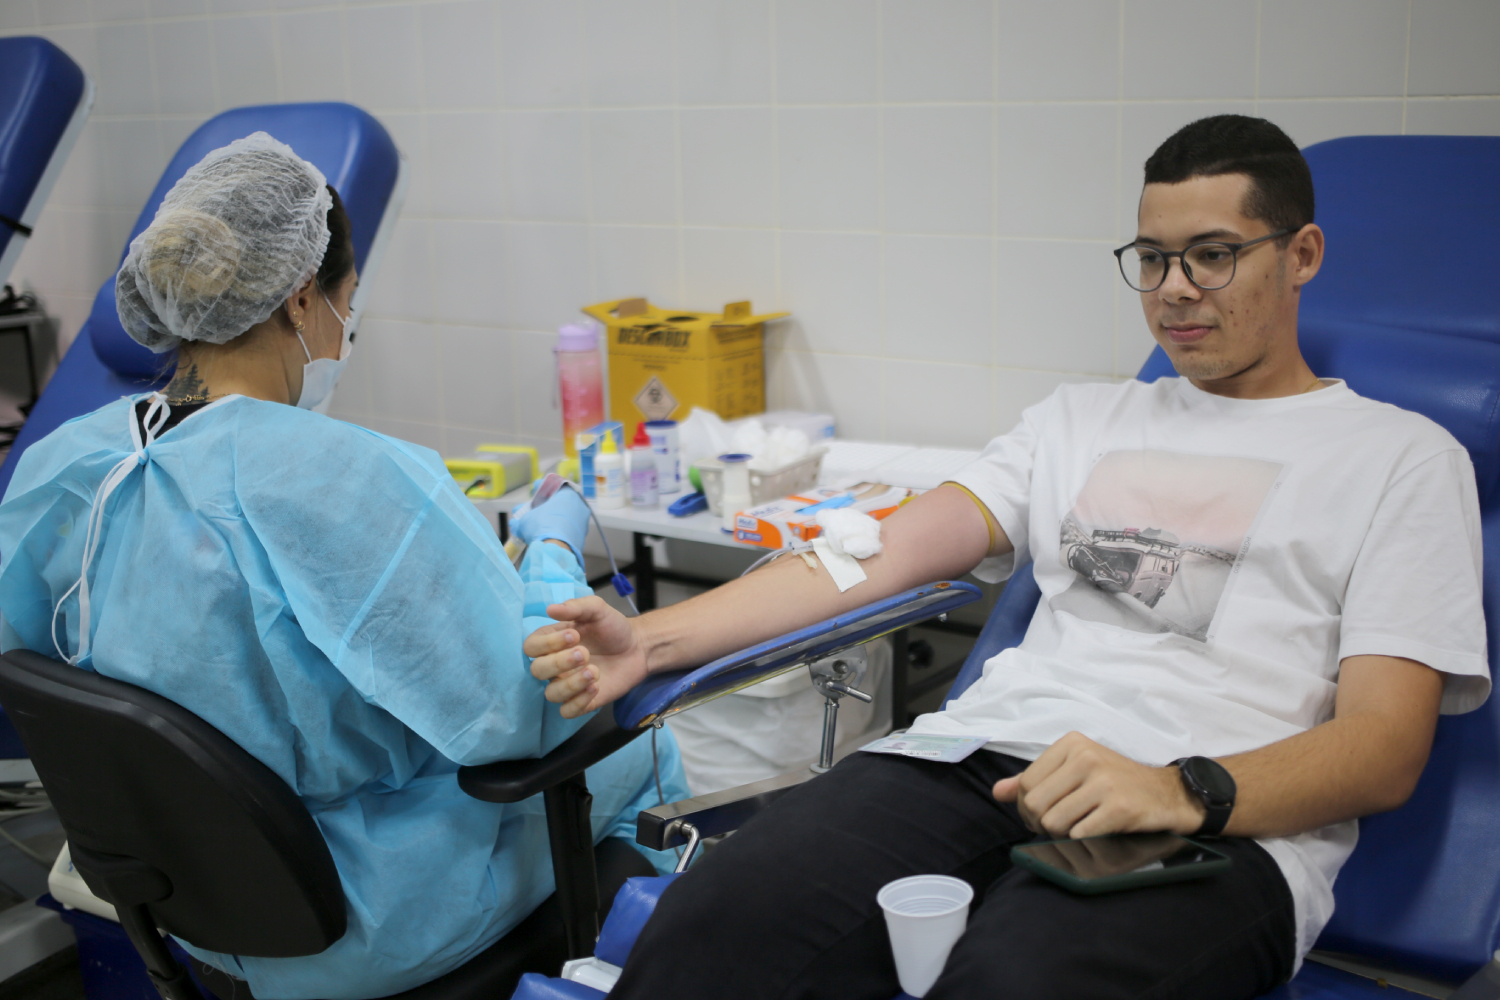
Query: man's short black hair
x=1281, y=187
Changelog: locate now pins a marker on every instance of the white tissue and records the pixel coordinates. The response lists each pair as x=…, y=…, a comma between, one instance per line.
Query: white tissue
x=850, y=532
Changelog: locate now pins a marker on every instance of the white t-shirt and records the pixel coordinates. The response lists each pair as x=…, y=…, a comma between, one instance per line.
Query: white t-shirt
x=1205, y=564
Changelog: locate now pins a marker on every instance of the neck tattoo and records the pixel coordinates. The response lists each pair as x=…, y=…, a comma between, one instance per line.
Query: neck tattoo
x=187, y=387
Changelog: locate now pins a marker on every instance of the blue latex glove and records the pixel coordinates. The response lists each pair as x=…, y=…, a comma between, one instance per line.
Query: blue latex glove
x=564, y=517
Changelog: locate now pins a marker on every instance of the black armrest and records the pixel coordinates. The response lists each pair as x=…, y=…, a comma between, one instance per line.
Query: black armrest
x=514, y=780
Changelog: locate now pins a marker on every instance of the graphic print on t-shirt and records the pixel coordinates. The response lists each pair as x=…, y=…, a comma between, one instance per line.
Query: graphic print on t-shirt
x=1154, y=537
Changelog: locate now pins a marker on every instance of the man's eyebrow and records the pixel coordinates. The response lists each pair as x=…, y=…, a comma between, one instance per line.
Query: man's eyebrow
x=1212, y=234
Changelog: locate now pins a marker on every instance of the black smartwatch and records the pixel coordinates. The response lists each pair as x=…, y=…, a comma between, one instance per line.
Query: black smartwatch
x=1209, y=783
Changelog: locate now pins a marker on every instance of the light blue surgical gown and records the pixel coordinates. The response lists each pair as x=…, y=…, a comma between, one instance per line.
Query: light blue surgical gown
x=326, y=597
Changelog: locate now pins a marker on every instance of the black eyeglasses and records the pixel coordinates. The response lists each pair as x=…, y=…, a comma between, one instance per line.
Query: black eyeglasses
x=1210, y=266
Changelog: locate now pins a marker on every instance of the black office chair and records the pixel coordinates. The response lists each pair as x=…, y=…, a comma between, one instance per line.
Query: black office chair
x=181, y=829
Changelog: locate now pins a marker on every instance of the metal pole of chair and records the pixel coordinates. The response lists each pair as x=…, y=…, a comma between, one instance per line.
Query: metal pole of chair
x=833, y=678
x=572, y=841
x=167, y=974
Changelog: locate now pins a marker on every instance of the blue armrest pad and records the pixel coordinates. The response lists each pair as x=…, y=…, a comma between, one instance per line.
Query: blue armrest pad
x=633, y=906
x=667, y=694
x=538, y=987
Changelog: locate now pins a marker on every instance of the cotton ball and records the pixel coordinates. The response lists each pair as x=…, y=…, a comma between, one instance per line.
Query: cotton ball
x=749, y=438
x=850, y=531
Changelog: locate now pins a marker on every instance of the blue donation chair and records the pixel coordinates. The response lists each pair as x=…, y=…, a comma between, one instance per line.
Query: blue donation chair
x=44, y=101
x=1401, y=321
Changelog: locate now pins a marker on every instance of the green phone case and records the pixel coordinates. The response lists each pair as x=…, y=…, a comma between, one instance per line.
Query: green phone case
x=1125, y=880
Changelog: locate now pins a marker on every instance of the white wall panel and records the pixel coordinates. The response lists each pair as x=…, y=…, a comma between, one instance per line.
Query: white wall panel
x=939, y=176
x=932, y=187
x=827, y=51
x=937, y=50
x=829, y=167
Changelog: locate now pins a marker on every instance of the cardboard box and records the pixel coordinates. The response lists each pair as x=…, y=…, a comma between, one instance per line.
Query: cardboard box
x=782, y=523
x=662, y=363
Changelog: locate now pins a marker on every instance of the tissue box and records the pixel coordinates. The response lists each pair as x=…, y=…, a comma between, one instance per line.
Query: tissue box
x=818, y=427
x=781, y=523
x=662, y=363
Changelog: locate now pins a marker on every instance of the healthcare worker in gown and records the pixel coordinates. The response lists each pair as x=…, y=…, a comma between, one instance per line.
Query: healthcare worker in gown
x=322, y=594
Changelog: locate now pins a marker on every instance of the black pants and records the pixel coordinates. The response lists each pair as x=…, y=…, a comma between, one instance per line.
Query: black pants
x=786, y=907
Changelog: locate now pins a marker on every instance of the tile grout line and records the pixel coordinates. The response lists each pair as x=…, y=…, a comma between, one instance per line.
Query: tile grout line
x=1406, y=70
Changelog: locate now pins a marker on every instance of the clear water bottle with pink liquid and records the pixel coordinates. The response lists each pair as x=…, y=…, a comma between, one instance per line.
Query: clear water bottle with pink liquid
x=580, y=382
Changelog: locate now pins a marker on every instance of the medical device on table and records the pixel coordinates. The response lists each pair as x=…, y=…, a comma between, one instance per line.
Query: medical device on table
x=495, y=469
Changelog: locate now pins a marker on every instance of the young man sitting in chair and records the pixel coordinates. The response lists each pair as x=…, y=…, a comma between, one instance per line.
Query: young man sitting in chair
x=1259, y=590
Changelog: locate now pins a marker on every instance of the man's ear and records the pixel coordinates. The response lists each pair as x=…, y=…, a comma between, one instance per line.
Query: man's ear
x=1306, y=250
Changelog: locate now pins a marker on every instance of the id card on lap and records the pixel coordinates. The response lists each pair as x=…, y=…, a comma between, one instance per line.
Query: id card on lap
x=948, y=749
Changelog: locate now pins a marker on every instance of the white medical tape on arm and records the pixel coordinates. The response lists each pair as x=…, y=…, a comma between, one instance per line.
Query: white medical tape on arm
x=844, y=568
x=156, y=415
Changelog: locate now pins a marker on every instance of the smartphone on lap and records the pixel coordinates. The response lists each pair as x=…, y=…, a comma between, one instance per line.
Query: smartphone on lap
x=1093, y=865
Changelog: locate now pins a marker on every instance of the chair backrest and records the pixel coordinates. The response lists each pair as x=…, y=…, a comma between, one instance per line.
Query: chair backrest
x=1411, y=223
x=355, y=153
x=140, y=782
x=1422, y=890
x=43, y=101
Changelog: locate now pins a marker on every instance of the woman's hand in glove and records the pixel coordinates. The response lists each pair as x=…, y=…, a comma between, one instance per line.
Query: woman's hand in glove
x=564, y=517
x=591, y=656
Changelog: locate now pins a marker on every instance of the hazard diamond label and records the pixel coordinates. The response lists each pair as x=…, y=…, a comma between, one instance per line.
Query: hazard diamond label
x=655, y=401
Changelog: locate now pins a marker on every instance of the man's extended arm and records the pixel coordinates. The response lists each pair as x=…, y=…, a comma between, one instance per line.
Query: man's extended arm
x=938, y=535
x=1366, y=759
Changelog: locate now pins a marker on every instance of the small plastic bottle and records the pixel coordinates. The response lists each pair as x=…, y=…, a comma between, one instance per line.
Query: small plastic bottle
x=609, y=475
x=643, y=487
x=580, y=382
x=735, y=495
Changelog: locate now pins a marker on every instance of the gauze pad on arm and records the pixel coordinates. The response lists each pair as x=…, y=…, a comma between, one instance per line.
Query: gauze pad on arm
x=850, y=531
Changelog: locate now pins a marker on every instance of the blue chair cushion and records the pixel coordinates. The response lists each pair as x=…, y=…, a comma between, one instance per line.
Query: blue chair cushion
x=537, y=987
x=1322, y=982
x=40, y=89
x=1410, y=221
x=353, y=150
x=633, y=906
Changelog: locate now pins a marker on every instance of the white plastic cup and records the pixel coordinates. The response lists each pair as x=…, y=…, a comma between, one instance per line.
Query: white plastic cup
x=925, y=916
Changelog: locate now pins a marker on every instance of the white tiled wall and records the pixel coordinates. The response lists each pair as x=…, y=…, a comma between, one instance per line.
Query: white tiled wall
x=932, y=187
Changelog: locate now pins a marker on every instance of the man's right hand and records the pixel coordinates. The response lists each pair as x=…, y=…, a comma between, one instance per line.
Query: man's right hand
x=589, y=658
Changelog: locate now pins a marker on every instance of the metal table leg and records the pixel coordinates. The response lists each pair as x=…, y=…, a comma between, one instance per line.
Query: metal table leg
x=645, y=574
x=900, y=664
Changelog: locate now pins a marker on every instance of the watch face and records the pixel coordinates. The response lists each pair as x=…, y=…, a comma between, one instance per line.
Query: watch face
x=1212, y=778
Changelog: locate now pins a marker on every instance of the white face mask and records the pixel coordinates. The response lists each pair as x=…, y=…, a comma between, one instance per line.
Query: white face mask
x=321, y=375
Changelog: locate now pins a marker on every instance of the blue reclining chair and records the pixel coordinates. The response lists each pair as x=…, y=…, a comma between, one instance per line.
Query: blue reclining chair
x=44, y=102
x=355, y=153
x=1403, y=322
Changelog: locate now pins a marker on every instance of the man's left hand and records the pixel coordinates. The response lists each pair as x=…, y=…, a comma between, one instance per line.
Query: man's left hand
x=1078, y=788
